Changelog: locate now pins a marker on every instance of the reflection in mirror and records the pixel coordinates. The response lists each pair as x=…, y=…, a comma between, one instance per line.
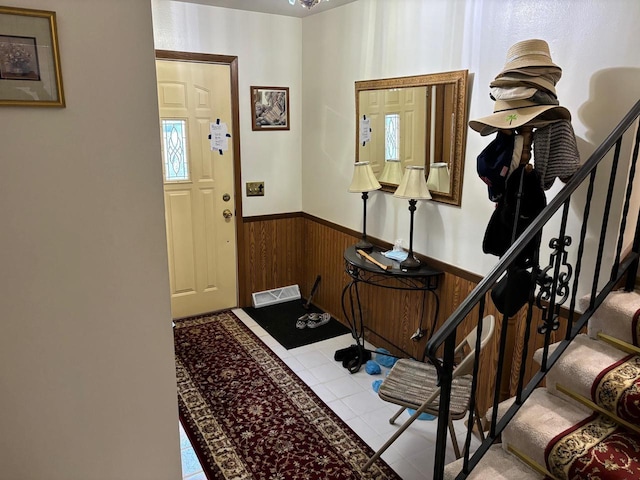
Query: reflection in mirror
x=391, y=172
x=439, y=179
x=419, y=121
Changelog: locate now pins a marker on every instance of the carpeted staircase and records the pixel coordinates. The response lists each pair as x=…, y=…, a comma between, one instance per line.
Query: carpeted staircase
x=595, y=369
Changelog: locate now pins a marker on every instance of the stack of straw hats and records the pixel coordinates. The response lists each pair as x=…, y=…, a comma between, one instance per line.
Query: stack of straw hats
x=524, y=91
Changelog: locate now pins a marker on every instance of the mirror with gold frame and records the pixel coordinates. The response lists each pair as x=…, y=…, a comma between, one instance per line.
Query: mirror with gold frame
x=417, y=120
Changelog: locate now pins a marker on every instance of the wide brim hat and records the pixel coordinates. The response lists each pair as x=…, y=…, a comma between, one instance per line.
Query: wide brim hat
x=513, y=80
x=513, y=93
x=508, y=115
x=553, y=74
x=529, y=53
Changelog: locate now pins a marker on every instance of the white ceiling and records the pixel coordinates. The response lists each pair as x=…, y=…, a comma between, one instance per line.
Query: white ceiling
x=278, y=7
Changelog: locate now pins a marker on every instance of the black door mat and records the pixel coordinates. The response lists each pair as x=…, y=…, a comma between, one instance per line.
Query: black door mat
x=280, y=321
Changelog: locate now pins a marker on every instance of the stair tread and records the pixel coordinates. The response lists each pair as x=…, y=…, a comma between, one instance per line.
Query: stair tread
x=539, y=420
x=614, y=316
x=547, y=413
x=573, y=372
x=496, y=464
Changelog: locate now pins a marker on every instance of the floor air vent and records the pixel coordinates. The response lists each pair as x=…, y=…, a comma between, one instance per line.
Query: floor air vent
x=277, y=295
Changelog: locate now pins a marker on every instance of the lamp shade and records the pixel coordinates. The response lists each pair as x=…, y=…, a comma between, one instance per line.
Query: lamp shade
x=392, y=172
x=363, y=178
x=438, y=180
x=413, y=185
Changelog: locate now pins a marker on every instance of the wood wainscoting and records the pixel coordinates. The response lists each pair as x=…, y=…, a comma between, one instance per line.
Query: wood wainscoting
x=281, y=250
x=273, y=252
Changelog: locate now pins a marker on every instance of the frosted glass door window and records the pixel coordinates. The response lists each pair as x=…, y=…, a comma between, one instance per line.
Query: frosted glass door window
x=174, y=139
x=392, y=136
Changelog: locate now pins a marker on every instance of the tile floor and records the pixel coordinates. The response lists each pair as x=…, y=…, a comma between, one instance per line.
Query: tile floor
x=352, y=398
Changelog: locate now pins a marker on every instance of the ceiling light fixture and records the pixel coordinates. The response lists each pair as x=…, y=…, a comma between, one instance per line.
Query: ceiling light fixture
x=306, y=3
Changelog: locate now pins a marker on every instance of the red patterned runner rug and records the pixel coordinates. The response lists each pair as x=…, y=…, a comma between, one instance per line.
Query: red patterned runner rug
x=594, y=449
x=249, y=416
x=617, y=389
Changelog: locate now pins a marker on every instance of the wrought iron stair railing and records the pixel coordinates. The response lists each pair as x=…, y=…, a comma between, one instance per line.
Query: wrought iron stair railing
x=563, y=280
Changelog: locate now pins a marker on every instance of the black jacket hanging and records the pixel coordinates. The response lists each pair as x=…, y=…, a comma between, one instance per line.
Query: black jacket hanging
x=524, y=195
x=503, y=228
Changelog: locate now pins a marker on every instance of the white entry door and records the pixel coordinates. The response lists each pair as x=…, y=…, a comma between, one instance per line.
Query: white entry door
x=198, y=186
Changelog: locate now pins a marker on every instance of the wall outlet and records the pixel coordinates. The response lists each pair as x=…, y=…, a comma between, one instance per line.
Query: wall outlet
x=255, y=189
x=418, y=335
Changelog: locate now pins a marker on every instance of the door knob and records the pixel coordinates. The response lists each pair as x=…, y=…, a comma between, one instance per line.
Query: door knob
x=227, y=213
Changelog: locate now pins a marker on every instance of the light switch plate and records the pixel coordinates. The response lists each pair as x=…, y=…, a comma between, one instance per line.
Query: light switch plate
x=255, y=189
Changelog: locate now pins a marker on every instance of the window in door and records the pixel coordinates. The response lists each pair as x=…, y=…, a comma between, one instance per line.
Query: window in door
x=174, y=139
x=392, y=136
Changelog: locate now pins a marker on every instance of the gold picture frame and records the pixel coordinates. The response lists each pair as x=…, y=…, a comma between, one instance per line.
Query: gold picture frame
x=30, y=72
x=270, y=108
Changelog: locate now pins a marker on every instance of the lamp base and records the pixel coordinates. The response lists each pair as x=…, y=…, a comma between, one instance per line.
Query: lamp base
x=364, y=246
x=411, y=263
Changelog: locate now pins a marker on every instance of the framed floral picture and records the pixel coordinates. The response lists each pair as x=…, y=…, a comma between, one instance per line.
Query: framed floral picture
x=29, y=60
x=270, y=108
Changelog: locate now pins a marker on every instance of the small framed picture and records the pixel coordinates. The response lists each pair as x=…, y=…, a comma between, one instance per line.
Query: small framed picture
x=29, y=60
x=270, y=108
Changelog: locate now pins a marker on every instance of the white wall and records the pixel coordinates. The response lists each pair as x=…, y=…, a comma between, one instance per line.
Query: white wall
x=269, y=51
x=594, y=43
x=87, y=375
